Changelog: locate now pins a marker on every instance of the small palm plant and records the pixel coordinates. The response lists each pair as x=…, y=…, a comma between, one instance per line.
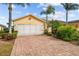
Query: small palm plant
x=68, y=7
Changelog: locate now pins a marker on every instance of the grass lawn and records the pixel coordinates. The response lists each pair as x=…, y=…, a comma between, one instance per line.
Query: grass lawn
x=6, y=47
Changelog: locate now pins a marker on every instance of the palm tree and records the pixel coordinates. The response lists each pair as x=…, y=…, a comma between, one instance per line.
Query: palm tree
x=10, y=14
x=68, y=7
x=50, y=9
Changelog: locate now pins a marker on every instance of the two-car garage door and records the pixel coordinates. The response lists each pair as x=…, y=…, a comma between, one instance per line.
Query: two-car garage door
x=29, y=29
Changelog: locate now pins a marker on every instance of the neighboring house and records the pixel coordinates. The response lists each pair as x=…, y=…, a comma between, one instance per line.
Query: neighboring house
x=75, y=24
x=2, y=27
x=29, y=25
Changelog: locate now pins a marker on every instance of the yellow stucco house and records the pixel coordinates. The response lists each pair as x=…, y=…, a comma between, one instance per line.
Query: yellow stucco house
x=29, y=25
x=2, y=27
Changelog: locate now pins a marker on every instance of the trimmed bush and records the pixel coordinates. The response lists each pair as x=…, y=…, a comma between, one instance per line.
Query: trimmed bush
x=67, y=33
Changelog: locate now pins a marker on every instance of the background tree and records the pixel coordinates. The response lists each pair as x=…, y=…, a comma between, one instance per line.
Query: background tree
x=68, y=7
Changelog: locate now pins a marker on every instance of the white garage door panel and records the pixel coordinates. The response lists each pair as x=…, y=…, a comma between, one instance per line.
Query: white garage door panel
x=32, y=29
x=39, y=29
x=29, y=29
x=26, y=29
x=20, y=29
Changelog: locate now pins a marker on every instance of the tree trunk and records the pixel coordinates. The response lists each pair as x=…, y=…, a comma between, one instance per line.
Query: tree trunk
x=66, y=17
x=46, y=18
x=47, y=21
x=10, y=17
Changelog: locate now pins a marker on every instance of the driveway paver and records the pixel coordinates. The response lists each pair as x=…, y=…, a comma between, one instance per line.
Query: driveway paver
x=43, y=46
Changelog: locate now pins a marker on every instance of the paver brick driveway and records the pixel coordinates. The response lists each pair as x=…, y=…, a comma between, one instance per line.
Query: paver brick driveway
x=42, y=46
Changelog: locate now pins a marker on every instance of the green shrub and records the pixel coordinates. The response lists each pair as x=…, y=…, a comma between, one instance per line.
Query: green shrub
x=6, y=30
x=4, y=34
x=67, y=33
x=1, y=33
x=14, y=34
x=7, y=36
x=55, y=25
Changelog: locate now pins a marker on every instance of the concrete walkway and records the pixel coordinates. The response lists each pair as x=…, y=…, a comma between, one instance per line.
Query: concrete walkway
x=43, y=46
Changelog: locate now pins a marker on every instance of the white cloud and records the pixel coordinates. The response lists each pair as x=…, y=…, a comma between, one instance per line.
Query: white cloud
x=50, y=16
x=78, y=10
x=71, y=15
x=28, y=13
x=13, y=6
x=58, y=15
x=44, y=8
x=62, y=16
x=2, y=17
x=41, y=5
x=46, y=4
x=42, y=16
x=17, y=12
x=54, y=4
x=35, y=14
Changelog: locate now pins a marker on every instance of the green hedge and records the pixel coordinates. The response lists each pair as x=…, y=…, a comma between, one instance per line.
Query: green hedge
x=67, y=33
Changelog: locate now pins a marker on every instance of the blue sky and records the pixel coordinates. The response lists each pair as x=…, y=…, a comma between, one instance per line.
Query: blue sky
x=35, y=9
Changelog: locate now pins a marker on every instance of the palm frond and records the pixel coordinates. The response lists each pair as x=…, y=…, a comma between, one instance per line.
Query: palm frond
x=43, y=12
x=50, y=9
x=70, y=6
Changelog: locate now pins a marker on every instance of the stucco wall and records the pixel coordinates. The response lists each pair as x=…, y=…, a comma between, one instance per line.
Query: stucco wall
x=1, y=28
